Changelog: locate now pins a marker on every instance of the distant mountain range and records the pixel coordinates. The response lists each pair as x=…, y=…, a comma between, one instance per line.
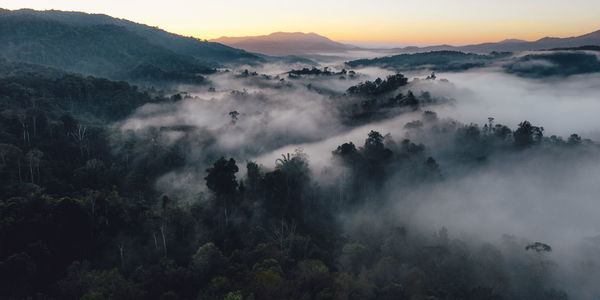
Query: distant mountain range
x=514, y=45
x=286, y=43
x=105, y=46
x=297, y=43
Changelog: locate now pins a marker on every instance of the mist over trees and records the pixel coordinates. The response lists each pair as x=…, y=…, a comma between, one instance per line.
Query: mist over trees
x=286, y=180
x=86, y=221
x=560, y=63
x=549, y=63
x=433, y=60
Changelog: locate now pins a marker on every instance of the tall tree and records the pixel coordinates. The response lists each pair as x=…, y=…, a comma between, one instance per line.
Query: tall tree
x=527, y=134
x=221, y=181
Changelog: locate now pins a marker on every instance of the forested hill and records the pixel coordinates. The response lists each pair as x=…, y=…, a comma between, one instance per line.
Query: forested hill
x=199, y=49
x=59, y=115
x=104, y=46
x=54, y=92
x=434, y=60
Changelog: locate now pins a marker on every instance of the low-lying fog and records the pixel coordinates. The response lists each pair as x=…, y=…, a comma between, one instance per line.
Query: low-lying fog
x=547, y=196
x=561, y=105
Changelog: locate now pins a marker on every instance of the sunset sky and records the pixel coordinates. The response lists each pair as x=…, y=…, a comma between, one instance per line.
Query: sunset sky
x=424, y=22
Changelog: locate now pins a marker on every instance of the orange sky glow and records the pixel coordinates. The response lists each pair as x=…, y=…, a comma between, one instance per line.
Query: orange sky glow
x=399, y=21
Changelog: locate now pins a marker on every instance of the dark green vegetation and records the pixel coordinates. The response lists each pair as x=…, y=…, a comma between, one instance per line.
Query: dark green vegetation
x=81, y=218
x=584, y=48
x=114, y=48
x=382, y=98
x=318, y=72
x=199, y=49
x=434, y=60
x=569, y=61
x=554, y=64
x=379, y=86
x=51, y=93
x=59, y=120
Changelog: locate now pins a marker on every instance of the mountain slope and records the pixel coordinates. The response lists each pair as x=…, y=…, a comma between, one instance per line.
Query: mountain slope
x=106, y=50
x=102, y=46
x=285, y=43
x=201, y=50
x=37, y=90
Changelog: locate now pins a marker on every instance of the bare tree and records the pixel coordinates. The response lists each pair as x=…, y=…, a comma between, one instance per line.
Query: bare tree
x=283, y=234
x=34, y=114
x=79, y=134
x=33, y=158
x=155, y=240
x=163, y=225
x=163, y=232
x=25, y=127
x=92, y=198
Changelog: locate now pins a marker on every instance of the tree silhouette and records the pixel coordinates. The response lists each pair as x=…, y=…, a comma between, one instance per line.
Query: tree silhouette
x=538, y=247
x=221, y=180
x=527, y=134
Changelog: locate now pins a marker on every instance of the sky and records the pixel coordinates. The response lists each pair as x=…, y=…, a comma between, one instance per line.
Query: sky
x=393, y=21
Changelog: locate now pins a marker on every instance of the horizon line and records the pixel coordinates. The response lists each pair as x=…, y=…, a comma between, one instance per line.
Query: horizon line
x=425, y=43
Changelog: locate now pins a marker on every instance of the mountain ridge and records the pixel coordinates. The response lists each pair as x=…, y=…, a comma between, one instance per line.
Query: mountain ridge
x=207, y=52
x=514, y=45
x=299, y=43
x=285, y=43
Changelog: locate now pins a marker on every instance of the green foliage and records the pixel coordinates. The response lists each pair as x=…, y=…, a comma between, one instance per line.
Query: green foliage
x=380, y=99
x=115, y=48
x=377, y=87
x=235, y=295
x=80, y=216
x=527, y=134
x=105, y=50
x=208, y=260
x=554, y=64
x=316, y=72
x=434, y=60
x=221, y=176
x=83, y=283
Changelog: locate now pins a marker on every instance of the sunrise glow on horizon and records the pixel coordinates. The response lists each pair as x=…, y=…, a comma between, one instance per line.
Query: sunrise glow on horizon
x=419, y=22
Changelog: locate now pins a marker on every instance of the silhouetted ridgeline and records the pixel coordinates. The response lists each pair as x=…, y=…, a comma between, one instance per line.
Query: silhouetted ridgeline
x=515, y=45
x=101, y=45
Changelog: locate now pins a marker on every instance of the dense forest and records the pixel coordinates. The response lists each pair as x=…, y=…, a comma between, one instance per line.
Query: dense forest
x=558, y=63
x=82, y=218
x=113, y=48
x=555, y=64
x=433, y=60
